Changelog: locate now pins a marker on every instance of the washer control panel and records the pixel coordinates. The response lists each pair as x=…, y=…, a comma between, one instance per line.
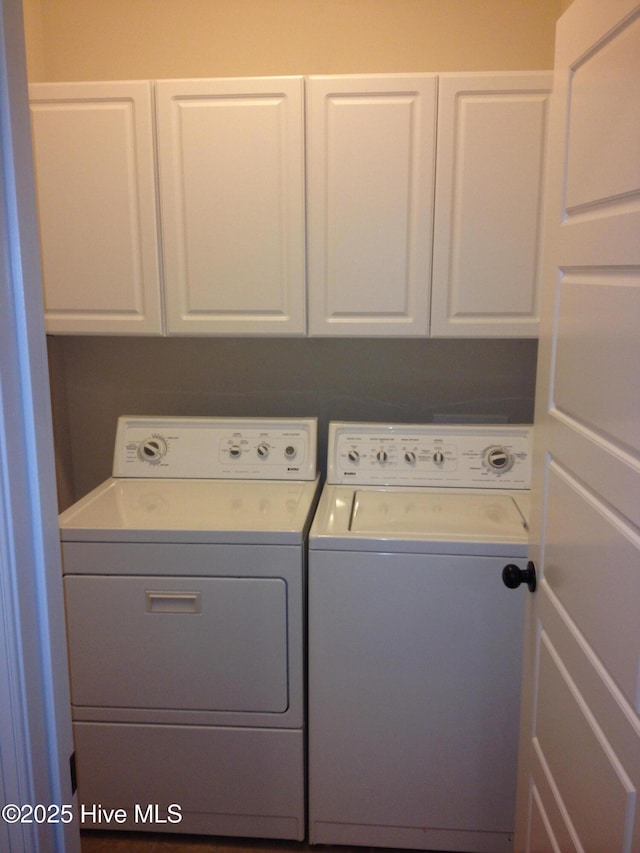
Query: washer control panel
x=216, y=448
x=464, y=456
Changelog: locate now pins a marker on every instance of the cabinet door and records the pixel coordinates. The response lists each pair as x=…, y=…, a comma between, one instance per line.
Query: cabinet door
x=370, y=165
x=231, y=177
x=486, y=257
x=95, y=177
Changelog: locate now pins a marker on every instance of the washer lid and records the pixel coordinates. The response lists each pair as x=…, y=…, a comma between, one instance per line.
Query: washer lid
x=142, y=510
x=437, y=515
x=420, y=521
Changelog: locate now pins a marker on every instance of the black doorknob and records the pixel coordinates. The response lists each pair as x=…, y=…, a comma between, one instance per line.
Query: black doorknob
x=513, y=576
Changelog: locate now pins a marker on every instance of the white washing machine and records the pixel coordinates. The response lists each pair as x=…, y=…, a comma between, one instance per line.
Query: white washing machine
x=415, y=643
x=185, y=585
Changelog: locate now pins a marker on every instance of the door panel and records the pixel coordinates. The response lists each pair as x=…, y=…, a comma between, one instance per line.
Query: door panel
x=231, y=184
x=370, y=179
x=591, y=555
x=208, y=644
x=602, y=118
x=542, y=837
x=95, y=168
x=579, y=772
x=598, y=337
x=591, y=781
x=492, y=131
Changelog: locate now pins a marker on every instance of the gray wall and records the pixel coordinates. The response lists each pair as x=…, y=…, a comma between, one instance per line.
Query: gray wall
x=94, y=380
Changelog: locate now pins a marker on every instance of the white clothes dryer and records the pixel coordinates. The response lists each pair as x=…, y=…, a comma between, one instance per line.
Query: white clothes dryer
x=184, y=579
x=415, y=643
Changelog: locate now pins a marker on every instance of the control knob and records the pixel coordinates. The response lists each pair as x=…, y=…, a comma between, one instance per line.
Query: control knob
x=498, y=459
x=235, y=451
x=263, y=450
x=152, y=449
x=410, y=457
x=438, y=457
x=353, y=456
x=382, y=456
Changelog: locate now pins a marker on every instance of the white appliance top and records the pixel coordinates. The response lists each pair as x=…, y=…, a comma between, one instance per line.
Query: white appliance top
x=208, y=480
x=209, y=511
x=427, y=488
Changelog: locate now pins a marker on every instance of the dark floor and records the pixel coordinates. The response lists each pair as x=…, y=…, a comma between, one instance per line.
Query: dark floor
x=98, y=841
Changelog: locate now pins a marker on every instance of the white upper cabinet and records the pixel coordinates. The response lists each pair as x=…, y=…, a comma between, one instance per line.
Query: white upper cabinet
x=492, y=132
x=370, y=173
x=95, y=176
x=399, y=240
x=231, y=179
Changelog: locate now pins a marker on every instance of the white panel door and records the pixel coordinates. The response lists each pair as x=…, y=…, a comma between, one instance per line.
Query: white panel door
x=492, y=131
x=231, y=177
x=580, y=734
x=370, y=165
x=95, y=176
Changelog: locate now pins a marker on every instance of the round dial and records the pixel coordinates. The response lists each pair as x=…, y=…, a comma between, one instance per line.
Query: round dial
x=410, y=457
x=152, y=449
x=263, y=450
x=381, y=456
x=353, y=456
x=290, y=451
x=498, y=458
x=438, y=457
x=235, y=451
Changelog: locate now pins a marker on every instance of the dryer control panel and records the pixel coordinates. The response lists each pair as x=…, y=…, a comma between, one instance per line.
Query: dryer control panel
x=216, y=448
x=433, y=455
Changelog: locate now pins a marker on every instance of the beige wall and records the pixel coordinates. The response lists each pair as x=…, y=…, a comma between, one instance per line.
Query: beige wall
x=111, y=39
x=32, y=12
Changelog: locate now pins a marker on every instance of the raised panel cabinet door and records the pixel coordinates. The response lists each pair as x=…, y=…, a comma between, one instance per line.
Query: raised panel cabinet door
x=231, y=178
x=492, y=131
x=95, y=179
x=370, y=172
